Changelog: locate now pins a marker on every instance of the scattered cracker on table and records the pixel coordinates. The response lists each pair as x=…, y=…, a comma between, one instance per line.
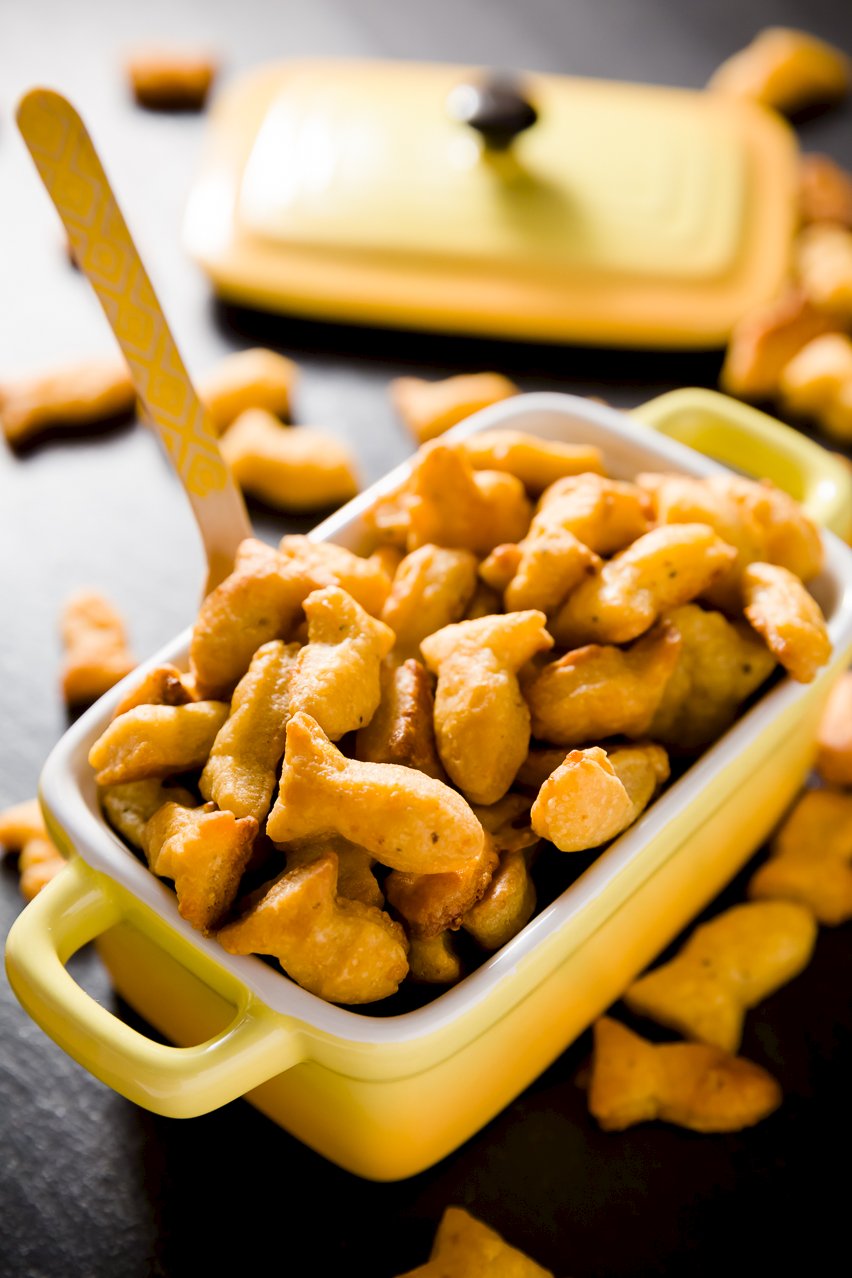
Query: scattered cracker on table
x=291, y=468
x=834, y=738
x=690, y=1084
x=96, y=651
x=726, y=966
x=22, y=830
x=823, y=254
x=811, y=858
x=165, y=78
x=466, y=1248
x=74, y=395
x=255, y=378
x=786, y=69
x=817, y=383
x=430, y=408
x=825, y=191
x=765, y=339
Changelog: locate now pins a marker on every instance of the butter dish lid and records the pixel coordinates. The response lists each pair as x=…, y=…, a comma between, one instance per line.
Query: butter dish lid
x=543, y=207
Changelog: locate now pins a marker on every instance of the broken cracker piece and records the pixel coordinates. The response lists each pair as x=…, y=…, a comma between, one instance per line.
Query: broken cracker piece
x=205, y=852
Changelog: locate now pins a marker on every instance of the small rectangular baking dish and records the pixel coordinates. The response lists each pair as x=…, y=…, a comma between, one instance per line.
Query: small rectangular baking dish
x=386, y=1096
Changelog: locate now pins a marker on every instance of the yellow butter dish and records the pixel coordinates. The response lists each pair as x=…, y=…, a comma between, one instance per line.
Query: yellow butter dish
x=548, y=208
x=388, y=1095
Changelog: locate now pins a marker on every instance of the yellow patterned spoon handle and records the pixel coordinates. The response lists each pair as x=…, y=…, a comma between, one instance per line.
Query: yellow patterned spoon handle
x=70, y=169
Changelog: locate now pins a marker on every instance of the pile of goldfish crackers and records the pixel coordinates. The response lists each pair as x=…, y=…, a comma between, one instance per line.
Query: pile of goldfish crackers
x=369, y=752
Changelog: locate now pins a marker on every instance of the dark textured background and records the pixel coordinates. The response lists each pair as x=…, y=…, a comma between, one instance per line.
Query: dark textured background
x=91, y=1185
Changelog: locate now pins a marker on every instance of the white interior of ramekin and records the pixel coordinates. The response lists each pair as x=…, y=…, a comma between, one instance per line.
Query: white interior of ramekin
x=69, y=793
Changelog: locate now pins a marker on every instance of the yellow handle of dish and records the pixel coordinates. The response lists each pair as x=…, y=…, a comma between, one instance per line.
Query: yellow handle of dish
x=76, y=182
x=180, y=1082
x=756, y=444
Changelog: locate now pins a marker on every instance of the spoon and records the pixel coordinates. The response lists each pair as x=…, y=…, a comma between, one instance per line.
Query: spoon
x=70, y=169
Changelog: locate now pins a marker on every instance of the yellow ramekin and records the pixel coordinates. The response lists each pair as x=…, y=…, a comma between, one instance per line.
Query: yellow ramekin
x=386, y=1097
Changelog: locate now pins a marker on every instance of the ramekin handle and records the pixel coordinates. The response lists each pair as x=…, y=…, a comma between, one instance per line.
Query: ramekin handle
x=180, y=1082
x=756, y=444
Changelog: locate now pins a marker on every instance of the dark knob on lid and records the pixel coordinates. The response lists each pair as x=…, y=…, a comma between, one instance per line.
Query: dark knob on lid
x=495, y=108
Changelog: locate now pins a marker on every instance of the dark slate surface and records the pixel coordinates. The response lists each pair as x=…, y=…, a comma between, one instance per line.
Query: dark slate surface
x=91, y=1185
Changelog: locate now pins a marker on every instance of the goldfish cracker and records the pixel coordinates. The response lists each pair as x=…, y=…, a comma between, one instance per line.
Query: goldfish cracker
x=765, y=339
x=205, y=852
x=811, y=859
x=825, y=191
x=482, y=724
x=785, y=69
x=242, y=769
x=606, y=514
x=156, y=741
x=583, y=804
x=790, y=536
x=595, y=795
x=161, y=686
x=355, y=878
x=465, y=1247
x=813, y=383
x=507, y=905
x=248, y=379
x=162, y=78
x=432, y=588
x=402, y=730
x=449, y=504
x=72, y=395
x=260, y=600
x=129, y=807
x=20, y=823
x=834, y=738
x=727, y=966
x=432, y=960
x=683, y=499
x=292, y=469
x=719, y=665
x=692, y=1085
x=788, y=618
x=601, y=691
x=577, y=519
x=536, y=462
x=22, y=830
x=39, y=863
x=96, y=651
x=663, y=569
x=433, y=903
x=336, y=677
x=338, y=949
x=823, y=254
x=407, y=820
x=430, y=408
